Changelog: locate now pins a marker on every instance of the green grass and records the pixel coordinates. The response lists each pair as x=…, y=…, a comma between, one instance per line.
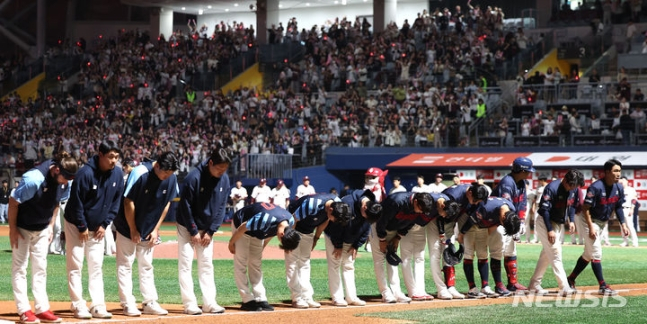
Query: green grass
x=620, y=267
x=550, y=312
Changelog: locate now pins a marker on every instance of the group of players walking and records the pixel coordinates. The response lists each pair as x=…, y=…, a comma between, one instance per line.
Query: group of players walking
x=484, y=224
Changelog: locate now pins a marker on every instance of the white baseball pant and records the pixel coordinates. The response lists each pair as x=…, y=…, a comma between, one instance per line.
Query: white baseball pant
x=346, y=264
x=379, y=261
x=127, y=251
x=550, y=254
x=297, y=269
x=247, y=260
x=204, y=255
x=77, y=251
x=412, y=250
x=32, y=246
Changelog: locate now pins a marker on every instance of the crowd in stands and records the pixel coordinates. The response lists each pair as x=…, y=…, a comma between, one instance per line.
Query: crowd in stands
x=417, y=84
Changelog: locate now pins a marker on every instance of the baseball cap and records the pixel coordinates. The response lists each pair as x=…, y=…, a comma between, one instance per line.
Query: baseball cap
x=439, y=175
x=263, y=180
x=280, y=182
x=306, y=178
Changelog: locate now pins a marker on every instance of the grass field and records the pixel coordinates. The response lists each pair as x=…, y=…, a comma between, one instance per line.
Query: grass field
x=621, y=265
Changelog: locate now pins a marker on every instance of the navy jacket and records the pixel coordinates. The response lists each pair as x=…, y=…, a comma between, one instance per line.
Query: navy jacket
x=604, y=200
x=203, y=199
x=95, y=196
x=556, y=204
x=488, y=214
x=357, y=230
x=399, y=215
x=38, y=195
x=150, y=195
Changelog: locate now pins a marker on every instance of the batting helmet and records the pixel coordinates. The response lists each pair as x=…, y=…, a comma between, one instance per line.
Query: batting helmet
x=453, y=256
x=522, y=164
x=373, y=172
x=392, y=257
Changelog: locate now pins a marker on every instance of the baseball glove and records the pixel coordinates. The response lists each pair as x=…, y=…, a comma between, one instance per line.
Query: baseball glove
x=392, y=256
x=452, y=256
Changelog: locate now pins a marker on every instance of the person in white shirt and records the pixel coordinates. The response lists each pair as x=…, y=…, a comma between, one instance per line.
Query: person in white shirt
x=421, y=186
x=438, y=186
x=397, y=186
x=261, y=193
x=630, y=200
x=281, y=195
x=305, y=188
x=238, y=195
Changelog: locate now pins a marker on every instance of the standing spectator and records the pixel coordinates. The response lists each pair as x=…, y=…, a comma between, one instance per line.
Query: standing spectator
x=627, y=127
x=94, y=202
x=312, y=213
x=556, y=209
x=201, y=211
x=261, y=193
x=603, y=197
x=5, y=192
x=630, y=33
x=138, y=229
x=280, y=195
x=342, y=244
x=238, y=195
x=305, y=188
x=254, y=226
x=630, y=201
x=33, y=208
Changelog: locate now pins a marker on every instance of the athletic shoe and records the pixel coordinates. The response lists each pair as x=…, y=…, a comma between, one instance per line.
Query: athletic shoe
x=418, y=298
x=312, y=303
x=571, y=282
x=444, y=294
x=455, y=294
x=516, y=287
x=401, y=298
x=475, y=293
x=568, y=291
x=153, y=308
x=192, y=310
x=81, y=312
x=99, y=311
x=538, y=291
x=387, y=297
x=251, y=306
x=300, y=303
x=131, y=310
x=213, y=309
x=623, y=244
x=339, y=303
x=28, y=317
x=607, y=291
x=357, y=302
x=502, y=291
x=487, y=291
x=48, y=317
x=265, y=306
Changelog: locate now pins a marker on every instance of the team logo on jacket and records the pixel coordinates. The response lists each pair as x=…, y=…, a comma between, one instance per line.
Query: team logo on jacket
x=114, y=184
x=163, y=192
x=201, y=189
x=94, y=187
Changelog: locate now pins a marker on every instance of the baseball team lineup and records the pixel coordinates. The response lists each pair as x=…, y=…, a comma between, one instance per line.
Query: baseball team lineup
x=462, y=223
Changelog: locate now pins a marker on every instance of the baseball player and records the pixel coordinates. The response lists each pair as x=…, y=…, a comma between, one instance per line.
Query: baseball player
x=261, y=193
x=602, y=198
x=150, y=188
x=513, y=188
x=238, y=195
x=557, y=208
x=406, y=207
x=483, y=235
x=95, y=198
x=412, y=247
x=312, y=214
x=630, y=200
x=280, y=195
x=342, y=243
x=200, y=212
x=467, y=196
x=254, y=226
x=305, y=188
x=33, y=207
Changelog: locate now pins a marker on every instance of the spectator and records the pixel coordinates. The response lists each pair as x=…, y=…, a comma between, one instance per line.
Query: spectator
x=261, y=193
x=305, y=188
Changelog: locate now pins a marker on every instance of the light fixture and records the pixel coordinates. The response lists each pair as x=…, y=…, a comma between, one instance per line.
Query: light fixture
x=200, y=11
x=307, y=4
x=227, y=9
x=209, y=7
x=235, y=5
x=183, y=8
